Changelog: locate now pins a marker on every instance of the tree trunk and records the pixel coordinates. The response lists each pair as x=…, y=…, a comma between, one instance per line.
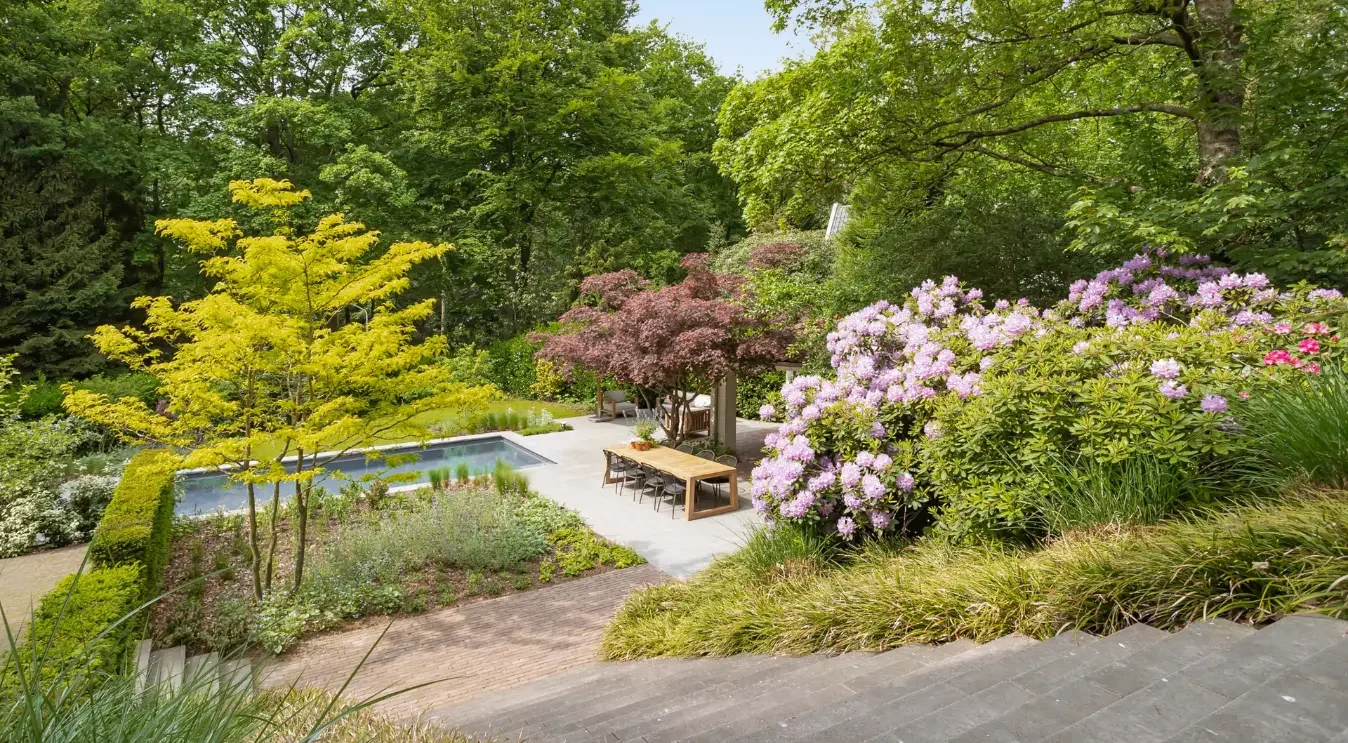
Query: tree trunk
x=1221, y=45
x=255, y=553
x=301, y=521
x=271, y=544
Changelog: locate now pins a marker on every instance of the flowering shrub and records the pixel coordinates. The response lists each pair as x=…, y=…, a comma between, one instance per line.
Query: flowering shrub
x=946, y=401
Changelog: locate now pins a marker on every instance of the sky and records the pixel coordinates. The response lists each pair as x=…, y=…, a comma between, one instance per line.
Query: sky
x=737, y=33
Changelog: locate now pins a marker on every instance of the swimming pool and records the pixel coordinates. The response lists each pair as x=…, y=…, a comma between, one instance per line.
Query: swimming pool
x=204, y=492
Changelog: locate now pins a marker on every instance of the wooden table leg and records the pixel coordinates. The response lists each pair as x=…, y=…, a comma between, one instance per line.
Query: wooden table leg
x=689, y=497
x=734, y=493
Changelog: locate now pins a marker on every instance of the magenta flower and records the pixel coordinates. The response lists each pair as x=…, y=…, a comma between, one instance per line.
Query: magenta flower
x=1213, y=404
x=1282, y=328
x=1274, y=358
x=1310, y=345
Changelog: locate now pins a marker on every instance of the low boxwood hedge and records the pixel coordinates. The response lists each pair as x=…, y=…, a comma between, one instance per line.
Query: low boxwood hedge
x=127, y=557
x=138, y=523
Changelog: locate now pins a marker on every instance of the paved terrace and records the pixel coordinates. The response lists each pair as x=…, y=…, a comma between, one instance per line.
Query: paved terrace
x=675, y=546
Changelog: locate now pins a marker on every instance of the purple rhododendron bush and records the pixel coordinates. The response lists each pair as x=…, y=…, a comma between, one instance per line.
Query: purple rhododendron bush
x=949, y=411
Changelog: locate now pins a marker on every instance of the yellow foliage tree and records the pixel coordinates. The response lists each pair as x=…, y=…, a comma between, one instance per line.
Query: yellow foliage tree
x=297, y=352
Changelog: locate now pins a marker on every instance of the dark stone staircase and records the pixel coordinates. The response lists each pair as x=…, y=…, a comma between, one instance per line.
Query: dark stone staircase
x=1213, y=681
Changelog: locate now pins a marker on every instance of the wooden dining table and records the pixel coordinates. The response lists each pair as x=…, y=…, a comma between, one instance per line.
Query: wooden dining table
x=687, y=467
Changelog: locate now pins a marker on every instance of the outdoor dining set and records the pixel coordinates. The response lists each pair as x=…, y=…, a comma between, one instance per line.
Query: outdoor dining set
x=673, y=475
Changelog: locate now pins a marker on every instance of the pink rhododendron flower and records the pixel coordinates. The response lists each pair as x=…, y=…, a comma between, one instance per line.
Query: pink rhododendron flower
x=1315, y=328
x=1277, y=357
x=1165, y=369
x=1310, y=345
x=879, y=519
x=1173, y=391
x=767, y=412
x=904, y=481
x=846, y=526
x=1312, y=368
x=1213, y=404
x=1282, y=328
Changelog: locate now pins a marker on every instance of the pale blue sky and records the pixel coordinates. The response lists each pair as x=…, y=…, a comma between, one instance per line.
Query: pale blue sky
x=737, y=33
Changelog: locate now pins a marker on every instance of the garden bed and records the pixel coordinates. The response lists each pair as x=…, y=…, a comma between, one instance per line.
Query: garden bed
x=788, y=591
x=404, y=553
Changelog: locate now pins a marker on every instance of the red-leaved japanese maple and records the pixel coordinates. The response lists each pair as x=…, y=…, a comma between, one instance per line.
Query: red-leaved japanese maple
x=669, y=343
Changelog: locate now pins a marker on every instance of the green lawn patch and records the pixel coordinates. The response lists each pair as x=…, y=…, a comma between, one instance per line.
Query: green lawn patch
x=1250, y=564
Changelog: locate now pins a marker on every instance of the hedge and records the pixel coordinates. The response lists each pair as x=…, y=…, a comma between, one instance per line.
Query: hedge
x=69, y=619
x=138, y=523
x=128, y=553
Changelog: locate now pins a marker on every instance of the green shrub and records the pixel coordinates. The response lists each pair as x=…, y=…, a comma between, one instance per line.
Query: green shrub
x=73, y=623
x=43, y=398
x=137, y=524
x=516, y=372
x=754, y=391
x=1250, y=564
x=1299, y=432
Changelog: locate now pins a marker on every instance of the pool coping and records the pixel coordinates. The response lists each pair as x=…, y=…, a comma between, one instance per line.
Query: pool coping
x=510, y=436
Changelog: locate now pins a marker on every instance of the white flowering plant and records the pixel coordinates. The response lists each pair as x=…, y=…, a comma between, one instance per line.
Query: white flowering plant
x=941, y=406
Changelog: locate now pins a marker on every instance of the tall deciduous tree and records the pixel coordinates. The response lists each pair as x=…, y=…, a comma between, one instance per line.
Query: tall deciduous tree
x=670, y=343
x=265, y=366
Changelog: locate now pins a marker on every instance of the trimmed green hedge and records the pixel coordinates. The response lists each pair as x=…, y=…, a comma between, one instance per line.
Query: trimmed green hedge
x=138, y=523
x=67, y=623
x=127, y=556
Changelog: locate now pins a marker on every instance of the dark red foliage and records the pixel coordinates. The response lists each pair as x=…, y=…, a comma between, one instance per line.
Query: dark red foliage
x=775, y=255
x=682, y=337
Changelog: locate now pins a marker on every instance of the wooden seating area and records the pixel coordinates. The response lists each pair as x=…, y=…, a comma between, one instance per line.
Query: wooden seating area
x=681, y=470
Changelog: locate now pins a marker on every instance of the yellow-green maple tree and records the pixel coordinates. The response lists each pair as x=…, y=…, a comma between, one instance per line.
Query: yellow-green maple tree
x=299, y=343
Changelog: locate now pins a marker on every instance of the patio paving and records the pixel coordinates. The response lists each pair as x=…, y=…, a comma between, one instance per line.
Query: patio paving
x=24, y=579
x=677, y=547
x=465, y=651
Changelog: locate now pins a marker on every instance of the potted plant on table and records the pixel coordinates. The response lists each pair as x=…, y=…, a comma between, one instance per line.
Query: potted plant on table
x=645, y=439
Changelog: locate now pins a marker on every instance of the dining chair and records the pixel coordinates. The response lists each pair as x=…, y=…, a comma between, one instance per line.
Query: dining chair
x=686, y=448
x=717, y=482
x=651, y=481
x=707, y=454
x=677, y=491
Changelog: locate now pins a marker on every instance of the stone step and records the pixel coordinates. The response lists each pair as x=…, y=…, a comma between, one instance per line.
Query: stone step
x=166, y=667
x=773, y=709
x=1308, y=702
x=881, y=706
x=1167, y=706
x=202, y=673
x=814, y=674
x=1051, y=712
x=576, y=693
x=236, y=673
x=1213, y=681
x=1051, y=664
x=660, y=699
x=800, y=688
x=143, y=651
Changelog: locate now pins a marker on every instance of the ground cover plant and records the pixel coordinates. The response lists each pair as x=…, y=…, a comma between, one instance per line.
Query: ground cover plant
x=469, y=537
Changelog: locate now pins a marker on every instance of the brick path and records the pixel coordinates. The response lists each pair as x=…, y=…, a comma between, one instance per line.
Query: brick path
x=493, y=644
x=23, y=580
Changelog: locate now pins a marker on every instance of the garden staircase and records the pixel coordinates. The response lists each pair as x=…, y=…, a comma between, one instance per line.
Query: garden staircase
x=1213, y=681
x=171, y=668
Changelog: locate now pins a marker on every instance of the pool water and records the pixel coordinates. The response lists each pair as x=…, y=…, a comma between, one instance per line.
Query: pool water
x=208, y=491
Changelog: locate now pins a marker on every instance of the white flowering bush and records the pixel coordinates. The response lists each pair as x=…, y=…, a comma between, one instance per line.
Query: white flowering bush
x=945, y=407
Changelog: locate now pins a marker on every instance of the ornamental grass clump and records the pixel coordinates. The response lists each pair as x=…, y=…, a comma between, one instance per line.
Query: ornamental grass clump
x=1250, y=564
x=1300, y=433
x=944, y=409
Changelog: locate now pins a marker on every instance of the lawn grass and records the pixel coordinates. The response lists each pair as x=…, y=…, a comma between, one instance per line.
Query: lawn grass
x=446, y=418
x=1254, y=564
